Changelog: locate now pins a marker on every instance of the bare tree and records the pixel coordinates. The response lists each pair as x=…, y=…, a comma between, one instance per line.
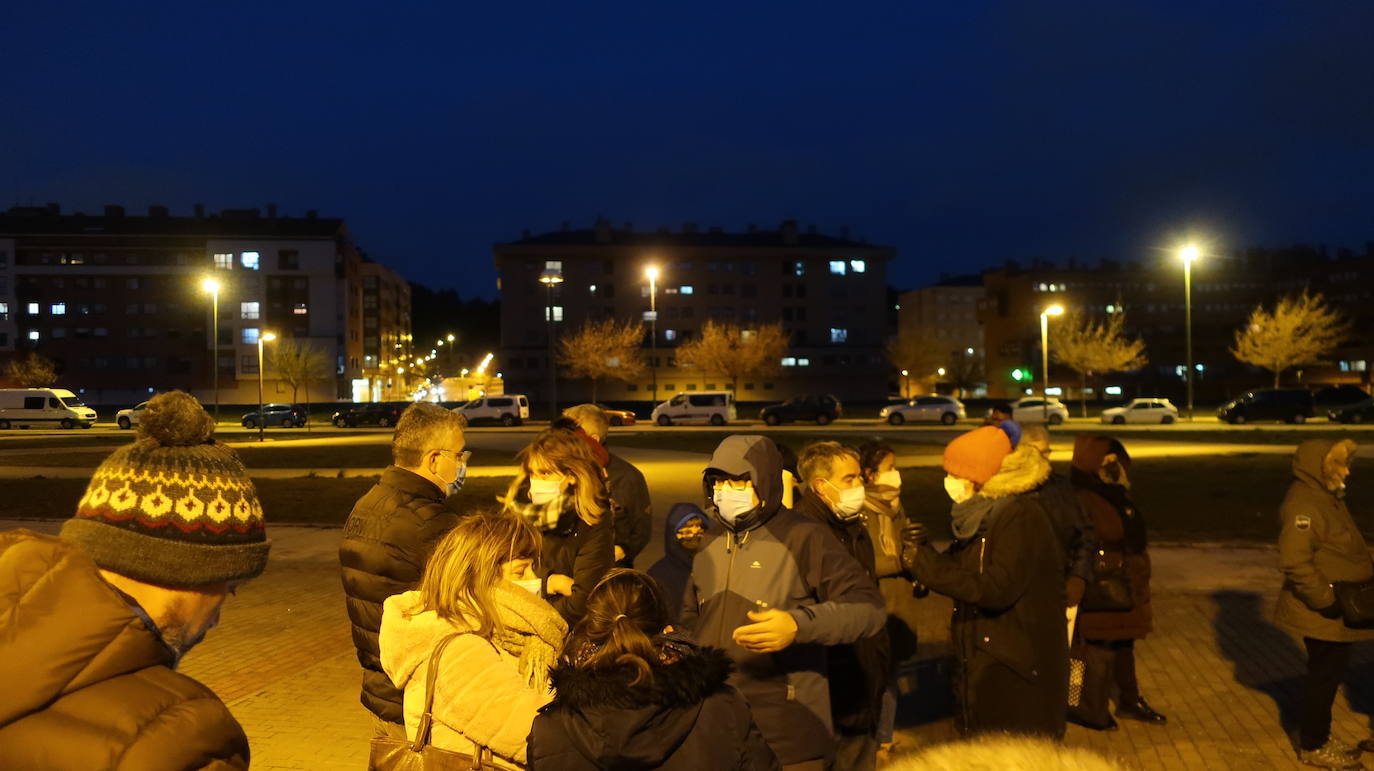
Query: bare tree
x=1301, y=329
x=964, y=371
x=1093, y=347
x=916, y=354
x=34, y=370
x=605, y=349
x=735, y=352
x=299, y=365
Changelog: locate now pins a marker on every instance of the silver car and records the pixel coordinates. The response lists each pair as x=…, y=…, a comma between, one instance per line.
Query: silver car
x=925, y=409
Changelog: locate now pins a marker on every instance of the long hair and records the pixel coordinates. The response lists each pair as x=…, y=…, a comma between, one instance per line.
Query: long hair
x=871, y=456
x=624, y=613
x=564, y=452
x=466, y=564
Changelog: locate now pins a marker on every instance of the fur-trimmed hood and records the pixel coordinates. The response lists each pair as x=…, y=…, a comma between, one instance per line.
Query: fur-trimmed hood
x=1022, y=471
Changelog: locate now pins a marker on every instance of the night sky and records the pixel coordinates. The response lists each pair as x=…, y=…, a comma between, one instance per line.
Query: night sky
x=963, y=133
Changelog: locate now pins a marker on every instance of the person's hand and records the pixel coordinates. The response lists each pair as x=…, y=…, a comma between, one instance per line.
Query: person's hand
x=1331, y=611
x=914, y=536
x=557, y=583
x=619, y=554
x=771, y=631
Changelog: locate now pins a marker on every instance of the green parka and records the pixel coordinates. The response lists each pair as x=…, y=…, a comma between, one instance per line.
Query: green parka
x=1318, y=545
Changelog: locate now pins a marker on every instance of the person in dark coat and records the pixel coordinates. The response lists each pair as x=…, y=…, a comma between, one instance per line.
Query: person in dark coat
x=683, y=531
x=630, y=694
x=1319, y=544
x=389, y=536
x=630, y=504
x=1005, y=573
x=1101, y=474
x=1071, y=522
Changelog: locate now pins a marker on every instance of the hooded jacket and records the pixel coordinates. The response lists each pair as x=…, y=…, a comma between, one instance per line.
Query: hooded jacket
x=774, y=558
x=675, y=568
x=87, y=684
x=686, y=718
x=1318, y=545
x=1121, y=539
x=1007, y=581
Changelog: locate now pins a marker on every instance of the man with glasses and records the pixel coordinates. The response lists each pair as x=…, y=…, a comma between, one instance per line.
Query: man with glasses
x=389, y=536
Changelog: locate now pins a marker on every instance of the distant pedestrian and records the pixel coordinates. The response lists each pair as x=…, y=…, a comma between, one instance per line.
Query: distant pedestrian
x=683, y=533
x=997, y=413
x=1320, y=544
x=496, y=641
x=561, y=489
x=632, y=695
x=1101, y=473
x=1071, y=522
x=94, y=622
x=774, y=588
x=389, y=534
x=630, y=505
x=1006, y=576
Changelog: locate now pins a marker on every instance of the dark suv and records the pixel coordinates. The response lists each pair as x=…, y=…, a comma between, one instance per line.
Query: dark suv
x=821, y=408
x=1292, y=405
x=284, y=415
x=382, y=414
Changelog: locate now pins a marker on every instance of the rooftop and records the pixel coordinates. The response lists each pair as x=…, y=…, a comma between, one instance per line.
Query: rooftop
x=113, y=220
x=603, y=233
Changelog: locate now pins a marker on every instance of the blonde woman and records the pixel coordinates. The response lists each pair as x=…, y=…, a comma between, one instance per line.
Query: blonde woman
x=561, y=488
x=494, y=675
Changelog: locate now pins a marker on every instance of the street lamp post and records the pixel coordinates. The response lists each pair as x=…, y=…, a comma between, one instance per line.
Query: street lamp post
x=652, y=316
x=550, y=278
x=1053, y=310
x=906, y=384
x=265, y=337
x=212, y=286
x=1188, y=254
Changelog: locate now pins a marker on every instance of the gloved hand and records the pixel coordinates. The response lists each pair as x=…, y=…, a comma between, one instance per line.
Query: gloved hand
x=914, y=536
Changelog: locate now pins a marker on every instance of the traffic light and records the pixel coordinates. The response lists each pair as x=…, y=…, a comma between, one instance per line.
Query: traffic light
x=1019, y=374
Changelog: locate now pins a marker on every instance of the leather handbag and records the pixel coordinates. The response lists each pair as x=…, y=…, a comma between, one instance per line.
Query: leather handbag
x=1109, y=591
x=390, y=754
x=1356, y=599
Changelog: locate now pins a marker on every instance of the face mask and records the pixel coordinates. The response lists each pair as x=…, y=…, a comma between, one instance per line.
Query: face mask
x=532, y=585
x=892, y=478
x=959, y=490
x=849, y=503
x=731, y=503
x=544, y=490
x=457, y=483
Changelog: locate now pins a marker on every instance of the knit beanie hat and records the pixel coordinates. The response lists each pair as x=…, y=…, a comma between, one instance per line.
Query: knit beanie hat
x=977, y=455
x=174, y=508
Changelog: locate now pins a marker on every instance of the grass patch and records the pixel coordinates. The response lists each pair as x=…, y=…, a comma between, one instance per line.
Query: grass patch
x=705, y=442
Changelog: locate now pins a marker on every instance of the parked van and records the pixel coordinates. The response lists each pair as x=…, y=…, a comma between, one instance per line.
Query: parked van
x=714, y=407
x=43, y=408
x=508, y=410
x=1293, y=405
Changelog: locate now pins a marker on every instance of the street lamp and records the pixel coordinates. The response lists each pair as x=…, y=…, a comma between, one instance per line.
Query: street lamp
x=265, y=337
x=550, y=278
x=211, y=285
x=1053, y=310
x=651, y=273
x=1188, y=254
x=906, y=385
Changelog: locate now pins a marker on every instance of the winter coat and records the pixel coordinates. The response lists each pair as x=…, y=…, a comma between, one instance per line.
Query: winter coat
x=386, y=542
x=859, y=671
x=632, y=510
x=673, y=571
x=1075, y=530
x=584, y=552
x=883, y=512
x=684, y=719
x=1318, y=544
x=1121, y=540
x=480, y=697
x=775, y=558
x=88, y=684
x=1007, y=632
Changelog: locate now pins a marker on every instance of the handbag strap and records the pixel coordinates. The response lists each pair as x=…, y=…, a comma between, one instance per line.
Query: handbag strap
x=480, y=754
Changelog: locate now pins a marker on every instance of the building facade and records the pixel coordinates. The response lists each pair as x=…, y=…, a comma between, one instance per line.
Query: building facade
x=383, y=304
x=945, y=319
x=829, y=293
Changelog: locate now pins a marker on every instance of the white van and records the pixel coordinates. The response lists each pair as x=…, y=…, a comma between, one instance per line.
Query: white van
x=508, y=409
x=714, y=407
x=43, y=408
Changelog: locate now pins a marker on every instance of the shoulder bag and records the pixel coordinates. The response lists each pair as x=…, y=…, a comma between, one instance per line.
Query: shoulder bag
x=1356, y=599
x=389, y=754
x=1109, y=591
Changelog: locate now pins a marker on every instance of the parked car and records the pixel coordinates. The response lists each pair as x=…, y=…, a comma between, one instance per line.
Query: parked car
x=507, y=409
x=1359, y=412
x=382, y=414
x=284, y=415
x=925, y=409
x=1336, y=397
x=1147, y=410
x=43, y=407
x=821, y=408
x=714, y=407
x=1032, y=409
x=1293, y=405
x=617, y=417
x=127, y=419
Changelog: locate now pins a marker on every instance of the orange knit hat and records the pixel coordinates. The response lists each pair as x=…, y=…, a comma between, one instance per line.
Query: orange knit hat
x=977, y=455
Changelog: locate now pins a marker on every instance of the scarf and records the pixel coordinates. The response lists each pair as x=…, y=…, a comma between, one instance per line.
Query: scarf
x=883, y=501
x=532, y=632
x=967, y=517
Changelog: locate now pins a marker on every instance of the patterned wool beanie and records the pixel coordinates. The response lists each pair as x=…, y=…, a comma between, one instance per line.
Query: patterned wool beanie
x=174, y=508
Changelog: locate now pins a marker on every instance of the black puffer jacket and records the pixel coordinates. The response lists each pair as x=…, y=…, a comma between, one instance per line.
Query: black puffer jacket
x=685, y=719
x=386, y=542
x=579, y=550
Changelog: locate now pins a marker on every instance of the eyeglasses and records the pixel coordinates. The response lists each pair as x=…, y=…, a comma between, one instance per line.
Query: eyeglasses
x=460, y=457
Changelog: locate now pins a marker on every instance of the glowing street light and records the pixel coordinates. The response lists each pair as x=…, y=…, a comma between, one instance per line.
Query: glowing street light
x=1053, y=310
x=265, y=337
x=212, y=286
x=652, y=274
x=550, y=278
x=1188, y=254
x=906, y=384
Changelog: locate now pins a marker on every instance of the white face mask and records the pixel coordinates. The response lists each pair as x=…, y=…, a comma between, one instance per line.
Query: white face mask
x=731, y=503
x=532, y=585
x=959, y=490
x=892, y=478
x=849, y=503
x=544, y=490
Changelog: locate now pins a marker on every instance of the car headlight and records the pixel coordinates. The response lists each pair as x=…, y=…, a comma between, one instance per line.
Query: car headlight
x=883, y=412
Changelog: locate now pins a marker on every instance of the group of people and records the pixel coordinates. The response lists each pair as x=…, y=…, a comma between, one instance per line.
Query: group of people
x=521, y=636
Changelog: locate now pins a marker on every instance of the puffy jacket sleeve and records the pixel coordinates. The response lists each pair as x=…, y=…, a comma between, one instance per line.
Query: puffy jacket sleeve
x=595, y=557
x=1000, y=574
x=850, y=606
x=1300, y=533
x=634, y=513
x=482, y=695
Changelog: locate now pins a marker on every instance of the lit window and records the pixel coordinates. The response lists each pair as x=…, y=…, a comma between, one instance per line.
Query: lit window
x=837, y=267
x=33, y=335
x=1041, y=288
x=789, y=361
x=670, y=334
x=1111, y=309
x=33, y=309
x=224, y=262
x=250, y=335
x=839, y=335
x=688, y=289
x=857, y=266
x=592, y=288
x=250, y=260
x=248, y=311
x=4, y=311
x=557, y=312
x=59, y=309
x=799, y=268
x=802, y=361
x=553, y=265
x=300, y=309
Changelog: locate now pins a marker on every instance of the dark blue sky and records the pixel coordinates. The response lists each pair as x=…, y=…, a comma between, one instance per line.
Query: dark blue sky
x=962, y=133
